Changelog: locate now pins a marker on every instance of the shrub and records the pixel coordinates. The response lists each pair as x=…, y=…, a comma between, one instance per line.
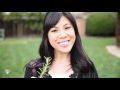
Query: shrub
x=101, y=24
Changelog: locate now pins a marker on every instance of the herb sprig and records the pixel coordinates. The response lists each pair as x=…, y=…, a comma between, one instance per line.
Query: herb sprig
x=46, y=65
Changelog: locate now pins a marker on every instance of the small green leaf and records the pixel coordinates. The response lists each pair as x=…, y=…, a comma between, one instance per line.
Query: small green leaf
x=45, y=67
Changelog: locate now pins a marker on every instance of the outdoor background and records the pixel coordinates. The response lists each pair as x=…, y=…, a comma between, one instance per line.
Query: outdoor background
x=20, y=38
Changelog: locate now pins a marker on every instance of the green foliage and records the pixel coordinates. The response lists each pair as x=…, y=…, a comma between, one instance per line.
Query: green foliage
x=101, y=24
x=35, y=21
x=30, y=20
x=13, y=17
x=1, y=15
x=45, y=68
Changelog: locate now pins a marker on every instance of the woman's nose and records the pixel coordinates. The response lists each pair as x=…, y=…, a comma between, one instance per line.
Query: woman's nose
x=62, y=34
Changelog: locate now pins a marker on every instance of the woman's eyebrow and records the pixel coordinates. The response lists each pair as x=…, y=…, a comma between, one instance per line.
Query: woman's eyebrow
x=63, y=25
x=67, y=24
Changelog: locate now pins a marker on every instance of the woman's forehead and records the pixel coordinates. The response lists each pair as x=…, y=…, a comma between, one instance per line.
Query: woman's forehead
x=63, y=22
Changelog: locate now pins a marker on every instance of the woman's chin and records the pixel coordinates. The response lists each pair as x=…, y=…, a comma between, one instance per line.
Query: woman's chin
x=65, y=50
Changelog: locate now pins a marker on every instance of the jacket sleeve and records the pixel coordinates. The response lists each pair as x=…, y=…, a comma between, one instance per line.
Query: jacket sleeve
x=28, y=72
x=32, y=69
x=31, y=72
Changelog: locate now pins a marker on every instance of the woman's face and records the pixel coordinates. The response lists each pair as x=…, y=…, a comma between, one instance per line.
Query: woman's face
x=62, y=36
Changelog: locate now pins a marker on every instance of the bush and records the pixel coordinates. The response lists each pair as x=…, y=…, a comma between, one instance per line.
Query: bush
x=101, y=24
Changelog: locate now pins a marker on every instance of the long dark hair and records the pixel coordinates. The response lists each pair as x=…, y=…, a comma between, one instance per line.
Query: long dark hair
x=80, y=62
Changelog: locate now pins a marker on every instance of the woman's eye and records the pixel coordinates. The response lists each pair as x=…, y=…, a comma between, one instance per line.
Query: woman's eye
x=67, y=28
x=53, y=30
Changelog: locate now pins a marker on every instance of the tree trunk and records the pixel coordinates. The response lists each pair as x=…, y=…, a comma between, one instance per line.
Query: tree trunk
x=20, y=29
x=118, y=30
x=14, y=29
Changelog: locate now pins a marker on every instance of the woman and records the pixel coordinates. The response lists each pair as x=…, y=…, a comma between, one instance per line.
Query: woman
x=61, y=42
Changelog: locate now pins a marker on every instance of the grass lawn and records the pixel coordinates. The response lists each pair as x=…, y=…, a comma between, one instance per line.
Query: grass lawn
x=15, y=53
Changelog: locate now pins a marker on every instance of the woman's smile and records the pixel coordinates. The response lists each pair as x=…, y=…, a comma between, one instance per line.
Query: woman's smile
x=64, y=43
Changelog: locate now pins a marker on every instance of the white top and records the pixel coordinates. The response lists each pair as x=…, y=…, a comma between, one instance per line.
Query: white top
x=56, y=75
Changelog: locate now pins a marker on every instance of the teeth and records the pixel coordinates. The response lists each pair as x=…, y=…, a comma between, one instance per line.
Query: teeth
x=64, y=43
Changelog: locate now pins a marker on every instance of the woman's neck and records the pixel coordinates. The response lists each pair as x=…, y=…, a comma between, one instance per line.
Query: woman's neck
x=62, y=57
x=61, y=64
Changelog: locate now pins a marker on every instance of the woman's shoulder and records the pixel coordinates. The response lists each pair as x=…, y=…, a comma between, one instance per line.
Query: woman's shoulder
x=34, y=63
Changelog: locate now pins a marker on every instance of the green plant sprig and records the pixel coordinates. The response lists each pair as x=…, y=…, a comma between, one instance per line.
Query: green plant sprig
x=45, y=67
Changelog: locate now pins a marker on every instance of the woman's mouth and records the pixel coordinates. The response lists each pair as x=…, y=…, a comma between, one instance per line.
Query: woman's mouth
x=64, y=43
